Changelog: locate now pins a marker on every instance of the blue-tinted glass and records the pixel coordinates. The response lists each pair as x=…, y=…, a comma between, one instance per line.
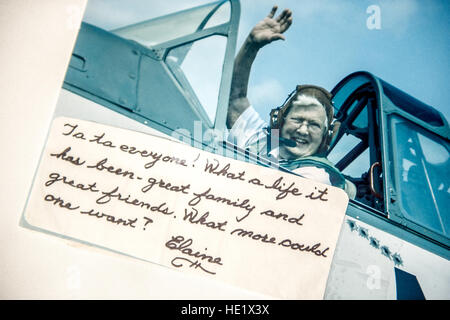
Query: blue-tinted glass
x=343, y=93
x=423, y=164
x=361, y=119
x=411, y=105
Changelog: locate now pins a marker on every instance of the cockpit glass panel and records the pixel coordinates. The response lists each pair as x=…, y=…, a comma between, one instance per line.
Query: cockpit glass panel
x=359, y=165
x=411, y=105
x=194, y=62
x=162, y=29
x=361, y=120
x=423, y=165
x=349, y=87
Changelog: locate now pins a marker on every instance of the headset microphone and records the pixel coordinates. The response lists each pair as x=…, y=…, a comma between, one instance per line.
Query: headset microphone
x=288, y=142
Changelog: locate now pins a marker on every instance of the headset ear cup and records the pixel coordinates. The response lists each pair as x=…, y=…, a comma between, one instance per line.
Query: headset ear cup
x=328, y=137
x=335, y=129
x=274, y=118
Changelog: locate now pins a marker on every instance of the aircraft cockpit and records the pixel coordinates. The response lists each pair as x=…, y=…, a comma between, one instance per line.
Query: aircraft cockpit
x=395, y=149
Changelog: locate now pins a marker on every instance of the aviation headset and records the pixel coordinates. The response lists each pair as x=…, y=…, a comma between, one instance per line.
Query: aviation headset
x=278, y=114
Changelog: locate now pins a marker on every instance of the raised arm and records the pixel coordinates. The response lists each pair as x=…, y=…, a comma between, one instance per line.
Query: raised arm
x=264, y=32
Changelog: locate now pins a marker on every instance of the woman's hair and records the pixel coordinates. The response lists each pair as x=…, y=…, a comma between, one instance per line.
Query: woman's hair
x=322, y=96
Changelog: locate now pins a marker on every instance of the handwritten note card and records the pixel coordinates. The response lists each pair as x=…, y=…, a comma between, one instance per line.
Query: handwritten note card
x=168, y=203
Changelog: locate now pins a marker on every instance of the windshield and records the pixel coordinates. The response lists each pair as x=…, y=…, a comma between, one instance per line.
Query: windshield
x=423, y=160
x=159, y=30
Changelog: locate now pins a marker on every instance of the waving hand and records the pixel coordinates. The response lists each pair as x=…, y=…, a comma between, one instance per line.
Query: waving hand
x=270, y=29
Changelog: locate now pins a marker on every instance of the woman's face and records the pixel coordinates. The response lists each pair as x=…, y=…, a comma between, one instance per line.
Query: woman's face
x=306, y=126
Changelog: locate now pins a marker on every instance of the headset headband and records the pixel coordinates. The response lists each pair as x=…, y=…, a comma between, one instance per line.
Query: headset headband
x=322, y=95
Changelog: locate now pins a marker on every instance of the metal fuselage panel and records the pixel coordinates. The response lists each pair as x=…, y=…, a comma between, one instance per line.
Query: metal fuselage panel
x=367, y=263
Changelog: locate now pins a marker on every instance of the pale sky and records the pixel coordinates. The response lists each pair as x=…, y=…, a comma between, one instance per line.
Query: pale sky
x=328, y=40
